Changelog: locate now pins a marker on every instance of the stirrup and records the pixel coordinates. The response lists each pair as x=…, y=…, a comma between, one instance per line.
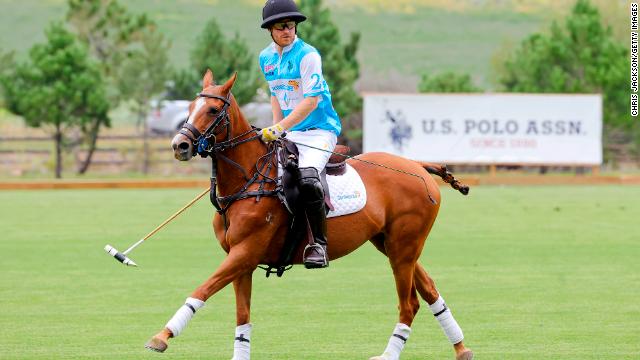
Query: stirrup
x=315, y=262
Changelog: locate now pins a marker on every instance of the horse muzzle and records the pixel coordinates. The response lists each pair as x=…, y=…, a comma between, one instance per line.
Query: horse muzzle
x=182, y=147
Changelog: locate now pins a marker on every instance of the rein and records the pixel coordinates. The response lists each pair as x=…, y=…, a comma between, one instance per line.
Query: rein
x=206, y=145
x=375, y=164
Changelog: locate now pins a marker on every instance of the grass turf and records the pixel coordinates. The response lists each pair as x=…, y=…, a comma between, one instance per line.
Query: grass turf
x=530, y=273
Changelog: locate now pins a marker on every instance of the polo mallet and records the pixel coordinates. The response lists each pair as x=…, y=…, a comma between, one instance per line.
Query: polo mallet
x=122, y=256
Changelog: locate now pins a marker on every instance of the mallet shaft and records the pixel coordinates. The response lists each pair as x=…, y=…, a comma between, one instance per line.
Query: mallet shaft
x=133, y=247
x=167, y=221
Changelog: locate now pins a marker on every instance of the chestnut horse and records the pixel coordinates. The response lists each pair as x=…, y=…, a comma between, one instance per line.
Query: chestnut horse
x=398, y=215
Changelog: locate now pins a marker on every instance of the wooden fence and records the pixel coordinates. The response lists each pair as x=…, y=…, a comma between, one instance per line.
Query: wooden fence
x=124, y=154
x=115, y=154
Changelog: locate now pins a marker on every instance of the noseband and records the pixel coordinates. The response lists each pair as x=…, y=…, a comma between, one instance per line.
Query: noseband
x=196, y=137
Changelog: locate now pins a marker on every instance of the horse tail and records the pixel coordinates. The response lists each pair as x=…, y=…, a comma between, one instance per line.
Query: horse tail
x=447, y=177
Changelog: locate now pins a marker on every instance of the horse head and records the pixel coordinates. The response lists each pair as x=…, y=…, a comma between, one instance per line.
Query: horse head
x=208, y=118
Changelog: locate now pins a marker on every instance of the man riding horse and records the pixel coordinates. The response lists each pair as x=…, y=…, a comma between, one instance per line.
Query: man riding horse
x=301, y=104
x=251, y=224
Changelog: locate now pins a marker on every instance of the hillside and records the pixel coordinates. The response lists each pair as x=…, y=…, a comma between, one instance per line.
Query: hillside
x=396, y=47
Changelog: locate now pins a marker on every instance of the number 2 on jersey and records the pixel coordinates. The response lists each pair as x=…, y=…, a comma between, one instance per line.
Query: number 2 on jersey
x=317, y=85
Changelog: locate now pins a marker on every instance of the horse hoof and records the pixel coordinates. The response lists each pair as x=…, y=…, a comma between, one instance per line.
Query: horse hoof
x=466, y=355
x=156, y=344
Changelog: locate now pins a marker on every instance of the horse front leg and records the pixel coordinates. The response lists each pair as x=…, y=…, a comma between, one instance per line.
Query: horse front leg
x=239, y=262
x=242, y=342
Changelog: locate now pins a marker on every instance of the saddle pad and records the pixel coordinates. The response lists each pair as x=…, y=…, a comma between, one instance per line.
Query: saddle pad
x=348, y=194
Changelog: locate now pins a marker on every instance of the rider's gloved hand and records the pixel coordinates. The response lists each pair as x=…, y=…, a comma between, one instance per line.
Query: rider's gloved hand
x=272, y=133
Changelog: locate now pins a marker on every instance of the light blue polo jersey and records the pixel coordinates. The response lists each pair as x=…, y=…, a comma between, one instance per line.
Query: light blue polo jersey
x=295, y=76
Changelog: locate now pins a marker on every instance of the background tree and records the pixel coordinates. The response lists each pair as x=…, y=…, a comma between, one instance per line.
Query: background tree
x=60, y=89
x=447, y=82
x=184, y=84
x=6, y=61
x=7, y=64
x=339, y=65
x=613, y=14
x=224, y=57
x=142, y=78
x=111, y=34
x=579, y=56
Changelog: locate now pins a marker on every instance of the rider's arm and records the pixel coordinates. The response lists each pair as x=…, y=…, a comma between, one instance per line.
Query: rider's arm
x=275, y=109
x=313, y=86
x=300, y=112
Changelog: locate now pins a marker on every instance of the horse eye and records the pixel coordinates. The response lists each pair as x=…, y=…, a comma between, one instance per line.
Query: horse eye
x=213, y=111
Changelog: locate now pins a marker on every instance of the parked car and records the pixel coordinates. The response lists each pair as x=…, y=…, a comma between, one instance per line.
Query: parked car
x=168, y=117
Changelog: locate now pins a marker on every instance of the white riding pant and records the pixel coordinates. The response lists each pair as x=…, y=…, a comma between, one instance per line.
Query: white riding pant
x=321, y=139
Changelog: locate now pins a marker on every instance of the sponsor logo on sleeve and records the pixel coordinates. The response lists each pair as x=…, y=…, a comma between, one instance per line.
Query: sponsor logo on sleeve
x=269, y=70
x=294, y=84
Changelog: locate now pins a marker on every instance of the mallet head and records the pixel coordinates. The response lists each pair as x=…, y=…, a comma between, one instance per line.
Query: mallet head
x=119, y=256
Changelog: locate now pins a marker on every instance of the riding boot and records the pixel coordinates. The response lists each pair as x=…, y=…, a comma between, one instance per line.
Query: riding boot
x=315, y=255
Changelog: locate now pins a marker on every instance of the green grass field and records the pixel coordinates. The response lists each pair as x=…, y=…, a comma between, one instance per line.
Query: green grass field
x=530, y=273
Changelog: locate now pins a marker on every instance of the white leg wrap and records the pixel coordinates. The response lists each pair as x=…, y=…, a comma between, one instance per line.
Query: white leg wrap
x=396, y=342
x=446, y=320
x=242, y=343
x=180, y=320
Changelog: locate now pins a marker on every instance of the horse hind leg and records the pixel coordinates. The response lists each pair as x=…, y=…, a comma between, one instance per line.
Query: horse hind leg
x=402, y=257
x=427, y=290
x=424, y=285
x=408, y=306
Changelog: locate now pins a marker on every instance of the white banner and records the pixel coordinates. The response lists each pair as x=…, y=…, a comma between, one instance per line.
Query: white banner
x=486, y=128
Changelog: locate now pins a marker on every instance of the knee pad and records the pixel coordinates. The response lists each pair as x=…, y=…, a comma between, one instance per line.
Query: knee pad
x=310, y=185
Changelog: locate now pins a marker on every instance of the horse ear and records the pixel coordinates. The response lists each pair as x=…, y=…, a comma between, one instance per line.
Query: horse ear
x=208, y=79
x=229, y=84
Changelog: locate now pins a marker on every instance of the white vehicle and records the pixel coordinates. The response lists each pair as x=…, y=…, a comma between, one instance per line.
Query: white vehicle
x=171, y=114
x=168, y=116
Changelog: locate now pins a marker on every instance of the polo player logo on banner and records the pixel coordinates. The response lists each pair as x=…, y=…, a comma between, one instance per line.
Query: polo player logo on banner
x=401, y=131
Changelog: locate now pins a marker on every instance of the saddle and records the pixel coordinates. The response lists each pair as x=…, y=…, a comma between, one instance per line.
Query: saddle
x=288, y=160
x=289, y=195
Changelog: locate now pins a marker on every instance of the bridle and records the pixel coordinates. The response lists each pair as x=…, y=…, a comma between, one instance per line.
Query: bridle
x=205, y=144
x=222, y=119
